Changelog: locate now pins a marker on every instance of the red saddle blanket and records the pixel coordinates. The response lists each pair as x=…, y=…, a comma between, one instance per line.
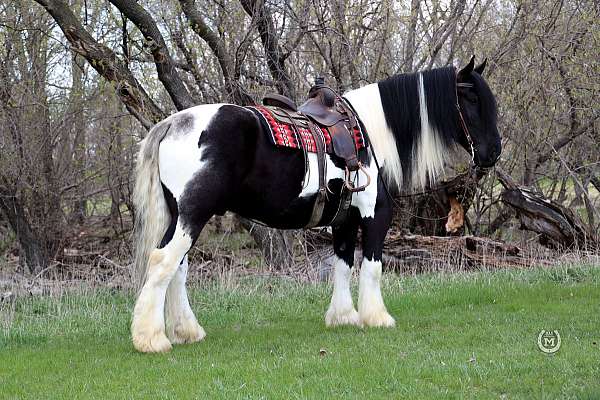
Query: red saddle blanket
x=285, y=135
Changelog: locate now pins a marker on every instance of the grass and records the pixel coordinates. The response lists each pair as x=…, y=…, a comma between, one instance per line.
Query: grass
x=457, y=336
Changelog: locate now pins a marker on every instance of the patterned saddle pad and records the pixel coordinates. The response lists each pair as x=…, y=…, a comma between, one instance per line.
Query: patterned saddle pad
x=290, y=129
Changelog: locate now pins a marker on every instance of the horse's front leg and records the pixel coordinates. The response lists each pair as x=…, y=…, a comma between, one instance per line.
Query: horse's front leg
x=341, y=309
x=371, y=309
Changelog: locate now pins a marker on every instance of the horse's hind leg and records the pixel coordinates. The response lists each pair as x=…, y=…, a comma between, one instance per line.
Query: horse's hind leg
x=202, y=196
x=148, y=327
x=341, y=309
x=181, y=323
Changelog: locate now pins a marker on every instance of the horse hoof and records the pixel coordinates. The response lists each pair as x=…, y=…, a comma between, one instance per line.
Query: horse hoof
x=379, y=319
x=153, y=343
x=337, y=318
x=188, y=331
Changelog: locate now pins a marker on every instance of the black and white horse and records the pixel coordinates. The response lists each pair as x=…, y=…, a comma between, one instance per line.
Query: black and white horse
x=216, y=157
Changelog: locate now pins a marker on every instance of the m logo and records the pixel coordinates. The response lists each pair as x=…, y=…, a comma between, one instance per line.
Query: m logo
x=549, y=341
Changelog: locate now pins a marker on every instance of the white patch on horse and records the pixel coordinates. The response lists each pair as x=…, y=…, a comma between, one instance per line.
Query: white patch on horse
x=179, y=157
x=311, y=179
x=371, y=309
x=341, y=309
x=429, y=154
x=365, y=201
x=366, y=101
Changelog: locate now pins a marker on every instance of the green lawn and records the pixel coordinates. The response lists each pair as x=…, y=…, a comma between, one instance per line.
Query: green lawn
x=457, y=336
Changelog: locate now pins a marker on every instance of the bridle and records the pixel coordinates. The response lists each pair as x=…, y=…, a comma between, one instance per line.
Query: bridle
x=461, y=118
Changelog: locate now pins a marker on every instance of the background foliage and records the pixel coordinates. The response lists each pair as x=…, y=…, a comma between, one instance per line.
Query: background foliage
x=80, y=84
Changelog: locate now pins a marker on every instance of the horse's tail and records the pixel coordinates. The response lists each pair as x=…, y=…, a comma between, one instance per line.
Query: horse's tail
x=152, y=215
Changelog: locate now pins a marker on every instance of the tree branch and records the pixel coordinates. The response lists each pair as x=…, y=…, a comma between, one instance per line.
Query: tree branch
x=564, y=140
x=105, y=61
x=165, y=66
x=275, y=55
x=235, y=92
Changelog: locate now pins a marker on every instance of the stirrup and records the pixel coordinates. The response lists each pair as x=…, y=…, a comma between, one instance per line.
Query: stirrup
x=350, y=185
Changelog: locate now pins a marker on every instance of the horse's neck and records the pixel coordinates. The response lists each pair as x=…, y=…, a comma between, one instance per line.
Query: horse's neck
x=366, y=101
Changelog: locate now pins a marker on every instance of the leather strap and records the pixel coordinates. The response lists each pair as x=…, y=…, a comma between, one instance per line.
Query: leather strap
x=343, y=207
x=319, y=205
x=345, y=194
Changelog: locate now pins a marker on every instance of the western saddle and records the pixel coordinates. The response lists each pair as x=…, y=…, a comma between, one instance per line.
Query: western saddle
x=324, y=108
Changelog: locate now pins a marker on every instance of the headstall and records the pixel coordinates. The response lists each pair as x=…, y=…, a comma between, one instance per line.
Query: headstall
x=461, y=118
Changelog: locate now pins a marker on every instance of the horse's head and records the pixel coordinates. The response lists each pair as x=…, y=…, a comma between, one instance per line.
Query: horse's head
x=477, y=112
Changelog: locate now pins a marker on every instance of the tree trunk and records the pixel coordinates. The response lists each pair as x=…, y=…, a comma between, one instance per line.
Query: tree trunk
x=33, y=254
x=275, y=245
x=79, y=151
x=427, y=213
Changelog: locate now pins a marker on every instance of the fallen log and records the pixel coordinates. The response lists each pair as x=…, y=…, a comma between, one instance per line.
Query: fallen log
x=416, y=253
x=409, y=253
x=558, y=226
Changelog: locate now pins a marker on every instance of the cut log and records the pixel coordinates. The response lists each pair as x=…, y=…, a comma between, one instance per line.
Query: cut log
x=456, y=216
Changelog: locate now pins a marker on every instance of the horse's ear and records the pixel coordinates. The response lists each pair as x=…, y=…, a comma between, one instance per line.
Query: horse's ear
x=466, y=71
x=479, y=69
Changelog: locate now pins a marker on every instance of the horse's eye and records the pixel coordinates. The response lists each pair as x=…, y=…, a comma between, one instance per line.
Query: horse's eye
x=471, y=98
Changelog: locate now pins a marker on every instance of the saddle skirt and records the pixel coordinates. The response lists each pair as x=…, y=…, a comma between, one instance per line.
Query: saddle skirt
x=287, y=128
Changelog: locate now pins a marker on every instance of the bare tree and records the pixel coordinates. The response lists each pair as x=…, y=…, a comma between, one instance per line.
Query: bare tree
x=67, y=147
